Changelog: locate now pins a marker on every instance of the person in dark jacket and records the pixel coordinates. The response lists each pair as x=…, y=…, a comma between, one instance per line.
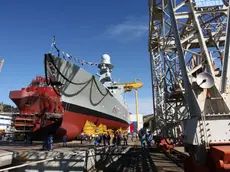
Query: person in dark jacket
x=142, y=137
x=125, y=140
x=104, y=139
x=118, y=139
x=114, y=139
x=108, y=139
x=96, y=140
x=149, y=138
x=50, y=142
x=65, y=141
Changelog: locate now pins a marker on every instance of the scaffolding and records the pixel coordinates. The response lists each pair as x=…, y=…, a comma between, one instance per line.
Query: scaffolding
x=187, y=38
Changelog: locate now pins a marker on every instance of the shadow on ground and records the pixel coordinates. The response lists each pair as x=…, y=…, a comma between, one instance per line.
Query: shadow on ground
x=148, y=160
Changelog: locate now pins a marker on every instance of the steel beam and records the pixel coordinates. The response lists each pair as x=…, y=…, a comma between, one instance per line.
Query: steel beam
x=226, y=64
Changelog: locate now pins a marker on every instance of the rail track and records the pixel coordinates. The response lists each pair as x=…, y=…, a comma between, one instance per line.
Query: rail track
x=149, y=159
x=177, y=157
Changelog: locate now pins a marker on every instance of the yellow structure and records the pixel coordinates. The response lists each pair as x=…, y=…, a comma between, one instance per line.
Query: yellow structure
x=131, y=85
x=122, y=131
x=102, y=129
x=89, y=127
x=110, y=131
x=128, y=87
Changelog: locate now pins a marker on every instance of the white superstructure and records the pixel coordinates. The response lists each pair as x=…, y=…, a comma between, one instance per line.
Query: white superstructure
x=106, y=79
x=6, y=121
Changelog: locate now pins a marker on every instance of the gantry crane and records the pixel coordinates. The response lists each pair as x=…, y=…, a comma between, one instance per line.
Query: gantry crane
x=129, y=87
x=1, y=64
x=189, y=41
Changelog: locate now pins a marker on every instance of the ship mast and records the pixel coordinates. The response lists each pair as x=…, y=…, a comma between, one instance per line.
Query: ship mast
x=105, y=70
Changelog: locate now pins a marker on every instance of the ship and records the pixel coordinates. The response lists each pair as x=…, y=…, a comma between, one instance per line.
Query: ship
x=71, y=96
x=40, y=109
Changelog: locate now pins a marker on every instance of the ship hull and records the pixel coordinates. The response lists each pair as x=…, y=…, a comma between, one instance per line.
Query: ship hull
x=75, y=118
x=73, y=122
x=40, y=109
x=42, y=133
x=84, y=98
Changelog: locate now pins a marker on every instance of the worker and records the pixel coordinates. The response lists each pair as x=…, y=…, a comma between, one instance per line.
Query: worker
x=143, y=139
x=149, y=138
x=45, y=143
x=31, y=140
x=125, y=140
x=142, y=136
x=100, y=138
x=104, y=136
x=82, y=136
x=108, y=139
x=65, y=141
x=96, y=140
x=25, y=138
x=118, y=139
x=50, y=142
x=114, y=138
x=137, y=136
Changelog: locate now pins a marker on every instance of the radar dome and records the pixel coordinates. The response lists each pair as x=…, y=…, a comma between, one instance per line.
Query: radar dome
x=105, y=59
x=205, y=80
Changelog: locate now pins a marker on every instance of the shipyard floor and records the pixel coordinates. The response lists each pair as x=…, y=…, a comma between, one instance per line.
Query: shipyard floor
x=85, y=157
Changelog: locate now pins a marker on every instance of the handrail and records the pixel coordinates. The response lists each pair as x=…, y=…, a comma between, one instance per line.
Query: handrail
x=32, y=163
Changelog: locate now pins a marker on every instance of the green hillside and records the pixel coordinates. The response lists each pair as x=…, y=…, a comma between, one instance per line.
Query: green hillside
x=8, y=108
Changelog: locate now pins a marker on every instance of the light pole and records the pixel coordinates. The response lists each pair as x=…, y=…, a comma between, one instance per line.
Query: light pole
x=136, y=98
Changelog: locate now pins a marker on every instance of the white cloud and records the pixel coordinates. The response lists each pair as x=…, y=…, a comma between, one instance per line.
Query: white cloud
x=131, y=28
x=145, y=106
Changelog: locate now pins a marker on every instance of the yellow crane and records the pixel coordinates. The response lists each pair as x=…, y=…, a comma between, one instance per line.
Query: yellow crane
x=129, y=87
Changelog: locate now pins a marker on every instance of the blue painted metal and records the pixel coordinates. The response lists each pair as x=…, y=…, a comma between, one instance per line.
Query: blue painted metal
x=135, y=126
x=4, y=124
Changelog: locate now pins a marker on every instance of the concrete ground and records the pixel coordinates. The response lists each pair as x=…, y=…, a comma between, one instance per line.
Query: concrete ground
x=76, y=155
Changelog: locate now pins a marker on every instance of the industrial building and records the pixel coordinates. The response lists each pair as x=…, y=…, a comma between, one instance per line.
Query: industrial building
x=133, y=122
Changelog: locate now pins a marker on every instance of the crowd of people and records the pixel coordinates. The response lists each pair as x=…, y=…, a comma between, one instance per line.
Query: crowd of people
x=148, y=139
x=106, y=139
x=144, y=137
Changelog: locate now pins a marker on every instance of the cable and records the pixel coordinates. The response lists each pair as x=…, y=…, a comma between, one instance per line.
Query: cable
x=107, y=91
x=52, y=62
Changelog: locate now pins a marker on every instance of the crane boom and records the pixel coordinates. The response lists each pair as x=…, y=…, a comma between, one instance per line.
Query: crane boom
x=131, y=85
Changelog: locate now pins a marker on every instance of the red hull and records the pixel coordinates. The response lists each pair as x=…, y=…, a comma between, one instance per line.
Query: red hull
x=39, y=106
x=73, y=123
x=41, y=112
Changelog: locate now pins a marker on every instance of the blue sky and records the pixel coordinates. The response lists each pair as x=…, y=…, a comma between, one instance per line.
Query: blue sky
x=85, y=29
